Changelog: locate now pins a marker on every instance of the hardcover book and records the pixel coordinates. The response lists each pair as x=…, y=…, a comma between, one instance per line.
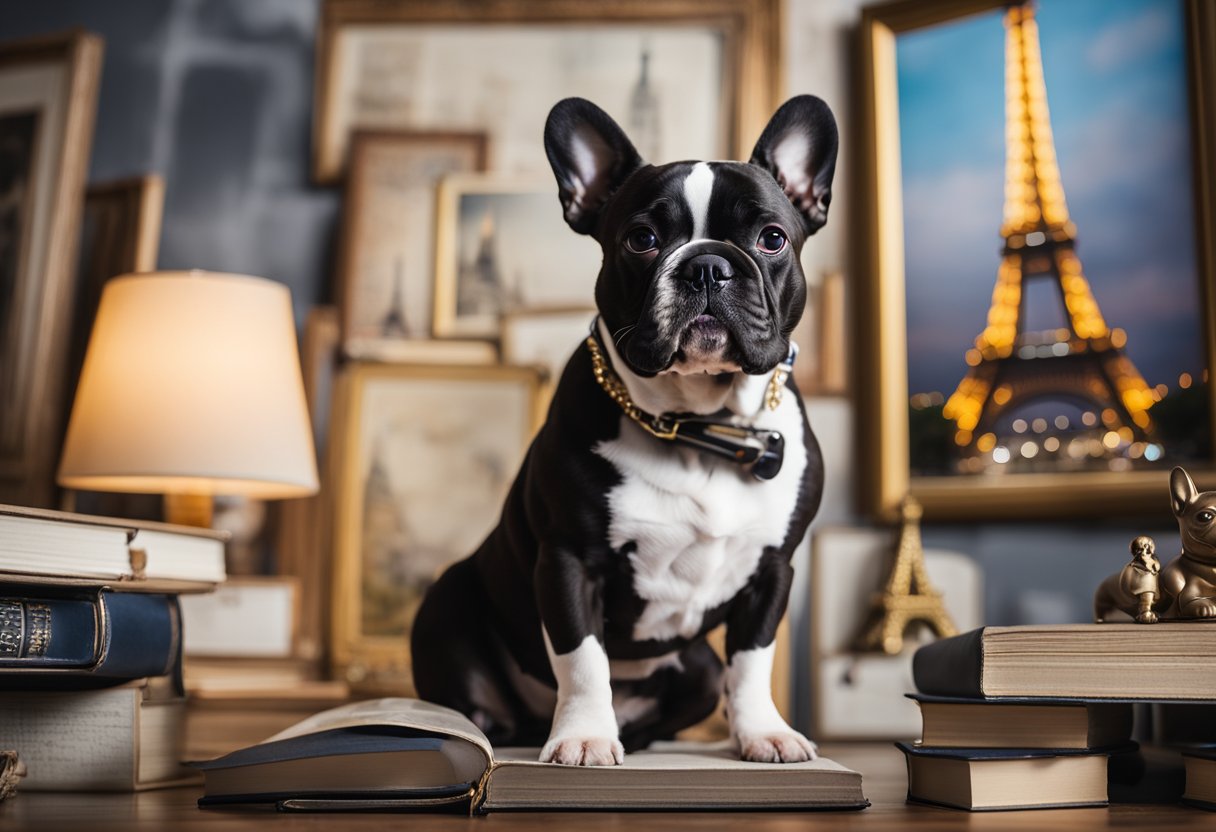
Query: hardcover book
x=126, y=738
x=59, y=547
x=407, y=754
x=1170, y=660
x=989, y=779
x=951, y=722
x=85, y=637
x=1200, y=778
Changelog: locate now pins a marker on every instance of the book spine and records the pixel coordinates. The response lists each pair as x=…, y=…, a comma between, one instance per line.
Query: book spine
x=951, y=666
x=108, y=637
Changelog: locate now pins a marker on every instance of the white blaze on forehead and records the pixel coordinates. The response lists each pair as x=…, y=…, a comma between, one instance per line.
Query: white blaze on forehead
x=697, y=188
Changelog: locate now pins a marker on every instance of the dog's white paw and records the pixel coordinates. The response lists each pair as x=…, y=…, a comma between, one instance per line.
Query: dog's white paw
x=583, y=751
x=776, y=747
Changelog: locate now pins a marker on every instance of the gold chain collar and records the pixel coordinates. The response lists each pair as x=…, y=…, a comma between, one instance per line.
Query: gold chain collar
x=659, y=426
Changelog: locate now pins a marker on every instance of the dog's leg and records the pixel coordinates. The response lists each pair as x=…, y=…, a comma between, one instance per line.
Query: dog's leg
x=756, y=726
x=584, y=731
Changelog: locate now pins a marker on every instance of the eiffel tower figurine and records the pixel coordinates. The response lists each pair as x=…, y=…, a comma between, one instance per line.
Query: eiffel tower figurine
x=1081, y=361
x=908, y=596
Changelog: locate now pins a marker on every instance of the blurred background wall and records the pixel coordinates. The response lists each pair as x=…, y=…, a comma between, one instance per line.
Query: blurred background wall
x=216, y=95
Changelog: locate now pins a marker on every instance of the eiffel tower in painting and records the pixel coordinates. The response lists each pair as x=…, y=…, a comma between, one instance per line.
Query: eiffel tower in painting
x=1081, y=362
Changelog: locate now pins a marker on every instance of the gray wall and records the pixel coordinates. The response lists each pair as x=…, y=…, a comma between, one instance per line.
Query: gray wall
x=215, y=95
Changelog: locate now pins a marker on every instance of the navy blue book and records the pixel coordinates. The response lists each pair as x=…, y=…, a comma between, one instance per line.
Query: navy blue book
x=87, y=638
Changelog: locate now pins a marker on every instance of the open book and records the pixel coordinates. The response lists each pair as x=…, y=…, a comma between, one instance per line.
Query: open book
x=409, y=754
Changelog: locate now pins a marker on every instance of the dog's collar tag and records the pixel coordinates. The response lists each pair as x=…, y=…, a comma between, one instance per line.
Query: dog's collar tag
x=758, y=450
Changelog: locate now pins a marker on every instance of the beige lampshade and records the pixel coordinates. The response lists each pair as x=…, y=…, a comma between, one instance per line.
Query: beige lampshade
x=191, y=384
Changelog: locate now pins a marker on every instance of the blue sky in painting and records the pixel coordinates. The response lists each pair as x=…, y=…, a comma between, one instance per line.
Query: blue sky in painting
x=1117, y=91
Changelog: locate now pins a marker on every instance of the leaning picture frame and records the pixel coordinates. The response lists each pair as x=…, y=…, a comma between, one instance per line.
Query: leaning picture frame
x=946, y=444
x=487, y=228
x=385, y=276
x=419, y=477
x=689, y=78
x=48, y=100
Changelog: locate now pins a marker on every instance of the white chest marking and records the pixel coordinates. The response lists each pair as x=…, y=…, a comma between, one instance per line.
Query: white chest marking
x=699, y=524
x=698, y=185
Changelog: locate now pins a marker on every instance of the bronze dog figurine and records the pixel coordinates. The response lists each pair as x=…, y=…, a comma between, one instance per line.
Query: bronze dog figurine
x=1190, y=578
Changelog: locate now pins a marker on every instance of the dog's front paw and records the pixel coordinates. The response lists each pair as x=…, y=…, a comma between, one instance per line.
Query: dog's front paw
x=583, y=751
x=776, y=747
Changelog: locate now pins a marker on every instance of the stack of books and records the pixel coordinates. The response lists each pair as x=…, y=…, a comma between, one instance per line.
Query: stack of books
x=90, y=646
x=1031, y=717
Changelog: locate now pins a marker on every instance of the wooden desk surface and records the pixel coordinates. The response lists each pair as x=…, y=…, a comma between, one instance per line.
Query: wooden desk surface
x=881, y=765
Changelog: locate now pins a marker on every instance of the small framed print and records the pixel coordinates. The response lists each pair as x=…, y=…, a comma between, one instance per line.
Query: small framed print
x=856, y=696
x=420, y=478
x=503, y=246
x=388, y=235
x=545, y=337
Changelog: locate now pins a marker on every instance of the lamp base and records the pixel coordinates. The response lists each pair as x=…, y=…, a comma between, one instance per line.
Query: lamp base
x=189, y=509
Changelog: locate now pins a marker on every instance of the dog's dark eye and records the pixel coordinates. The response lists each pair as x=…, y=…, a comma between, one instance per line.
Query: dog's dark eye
x=641, y=240
x=771, y=240
x=1205, y=516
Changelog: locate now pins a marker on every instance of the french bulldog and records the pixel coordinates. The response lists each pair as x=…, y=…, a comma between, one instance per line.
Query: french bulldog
x=580, y=623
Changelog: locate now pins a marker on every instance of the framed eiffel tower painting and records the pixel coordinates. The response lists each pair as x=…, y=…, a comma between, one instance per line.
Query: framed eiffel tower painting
x=1038, y=305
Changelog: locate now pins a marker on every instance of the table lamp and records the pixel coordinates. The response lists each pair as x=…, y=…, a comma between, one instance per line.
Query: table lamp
x=191, y=387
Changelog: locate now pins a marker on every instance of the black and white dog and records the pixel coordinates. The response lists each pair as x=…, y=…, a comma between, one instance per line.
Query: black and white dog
x=580, y=622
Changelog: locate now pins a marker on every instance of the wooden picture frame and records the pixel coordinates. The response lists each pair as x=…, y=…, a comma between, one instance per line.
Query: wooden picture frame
x=408, y=444
x=48, y=101
x=487, y=230
x=747, y=81
x=302, y=528
x=119, y=234
x=386, y=272
x=881, y=345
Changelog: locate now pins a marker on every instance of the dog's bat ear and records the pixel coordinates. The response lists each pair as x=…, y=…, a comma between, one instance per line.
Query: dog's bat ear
x=798, y=147
x=591, y=156
x=1182, y=490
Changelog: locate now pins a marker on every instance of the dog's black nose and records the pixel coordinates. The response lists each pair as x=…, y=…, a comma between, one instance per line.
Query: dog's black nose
x=707, y=271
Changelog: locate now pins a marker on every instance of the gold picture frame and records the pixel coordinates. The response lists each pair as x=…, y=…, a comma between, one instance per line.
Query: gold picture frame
x=487, y=227
x=409, y=443
x=46, y=121
x=749, y=89
x=880, y=346
x=302, y=530
x=391, y=193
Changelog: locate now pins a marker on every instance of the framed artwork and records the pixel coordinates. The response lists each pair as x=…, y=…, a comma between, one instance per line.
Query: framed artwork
x=1073, y=368
x=119, y=234
x=302, y=526
x=419, y=480
x=856, y=696
x=48, y=98
x=545, y=337
x=487, y=263
x=388, y=234
x=689, y=79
